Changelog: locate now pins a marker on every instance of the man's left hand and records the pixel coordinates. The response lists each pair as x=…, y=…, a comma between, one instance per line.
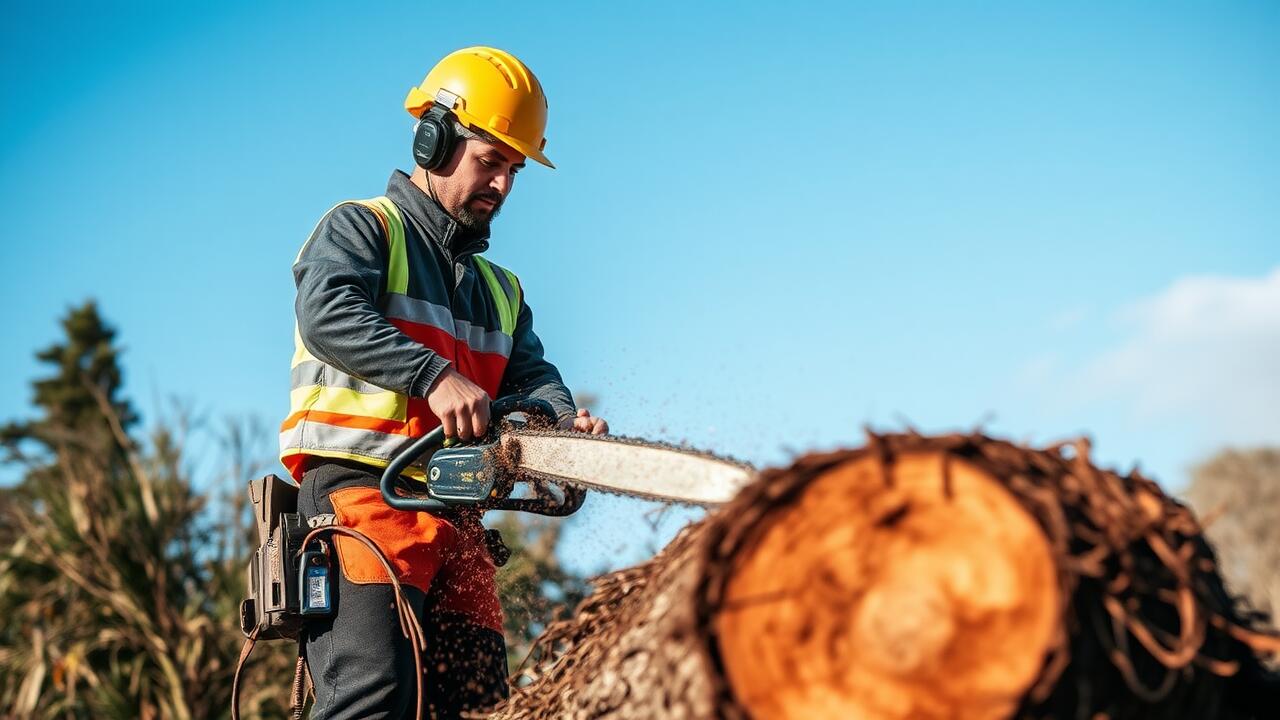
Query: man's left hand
x=585, y=422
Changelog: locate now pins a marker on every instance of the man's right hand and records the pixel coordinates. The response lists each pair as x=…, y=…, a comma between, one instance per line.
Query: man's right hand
x=461, y=405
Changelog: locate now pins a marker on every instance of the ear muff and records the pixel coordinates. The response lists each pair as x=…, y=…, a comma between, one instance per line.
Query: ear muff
x=434, y=139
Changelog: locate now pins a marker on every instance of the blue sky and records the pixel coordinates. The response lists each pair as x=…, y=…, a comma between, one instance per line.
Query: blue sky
x=771, y=223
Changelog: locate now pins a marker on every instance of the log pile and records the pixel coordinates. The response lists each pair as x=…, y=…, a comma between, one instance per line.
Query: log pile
x=917, y=577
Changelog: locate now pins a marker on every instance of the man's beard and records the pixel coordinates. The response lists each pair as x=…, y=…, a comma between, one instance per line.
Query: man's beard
x=478, y=221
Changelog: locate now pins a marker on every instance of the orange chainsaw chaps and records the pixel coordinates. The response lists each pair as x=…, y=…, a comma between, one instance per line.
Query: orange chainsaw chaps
x=450, y=563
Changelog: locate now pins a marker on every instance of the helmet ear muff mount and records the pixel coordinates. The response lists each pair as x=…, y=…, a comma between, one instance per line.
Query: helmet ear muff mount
x=434, y=138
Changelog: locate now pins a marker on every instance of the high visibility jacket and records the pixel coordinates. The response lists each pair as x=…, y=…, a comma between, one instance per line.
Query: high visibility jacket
x=390, y=292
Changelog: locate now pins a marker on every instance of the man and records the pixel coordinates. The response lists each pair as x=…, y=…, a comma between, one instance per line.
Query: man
x=403, y=326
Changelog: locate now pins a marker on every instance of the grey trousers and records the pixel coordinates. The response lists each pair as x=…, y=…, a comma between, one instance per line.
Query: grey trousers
x=362, y=665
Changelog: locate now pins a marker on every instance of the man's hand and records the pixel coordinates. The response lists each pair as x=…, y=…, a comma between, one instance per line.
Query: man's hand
x=463, y=408
x=584, y=422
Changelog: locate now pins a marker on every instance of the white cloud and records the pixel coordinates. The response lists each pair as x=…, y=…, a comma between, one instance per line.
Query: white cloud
x=1207, y=348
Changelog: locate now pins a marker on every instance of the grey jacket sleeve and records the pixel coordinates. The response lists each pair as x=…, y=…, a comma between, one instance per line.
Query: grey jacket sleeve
x=529, y=373
x=340, y=275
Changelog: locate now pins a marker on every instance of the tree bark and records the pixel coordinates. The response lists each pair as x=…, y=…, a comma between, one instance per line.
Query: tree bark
x=948, y=577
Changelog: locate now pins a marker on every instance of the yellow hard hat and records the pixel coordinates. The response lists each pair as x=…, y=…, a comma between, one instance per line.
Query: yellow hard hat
x=495, y=92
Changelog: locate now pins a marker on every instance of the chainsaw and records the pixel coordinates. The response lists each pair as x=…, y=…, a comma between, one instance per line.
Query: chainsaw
x=559, y=466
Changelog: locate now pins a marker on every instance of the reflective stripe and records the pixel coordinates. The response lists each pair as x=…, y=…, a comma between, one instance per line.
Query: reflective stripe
x=422, y=312
x=512, y=286
x=314, y=372
x=393, y=227
x=502, y=299
x=385, y=405
x=507, y=281
x=369, y=446
x=479, y=339
x=365, y=443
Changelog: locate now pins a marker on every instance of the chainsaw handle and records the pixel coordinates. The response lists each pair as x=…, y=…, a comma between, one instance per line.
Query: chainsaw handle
x=504, y=406
x=570, y=499
x=428, y=443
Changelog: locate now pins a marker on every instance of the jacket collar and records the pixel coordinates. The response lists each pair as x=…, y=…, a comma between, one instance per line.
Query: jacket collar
x=453, y=239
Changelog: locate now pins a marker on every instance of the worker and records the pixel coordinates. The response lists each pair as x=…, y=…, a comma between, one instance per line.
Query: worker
x=403, y=326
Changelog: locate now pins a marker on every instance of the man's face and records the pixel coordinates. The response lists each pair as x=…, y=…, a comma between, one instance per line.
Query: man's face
x=474, y=183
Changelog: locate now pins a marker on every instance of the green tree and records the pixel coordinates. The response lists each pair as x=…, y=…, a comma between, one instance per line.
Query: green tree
x=86, y=362
x=116, y=604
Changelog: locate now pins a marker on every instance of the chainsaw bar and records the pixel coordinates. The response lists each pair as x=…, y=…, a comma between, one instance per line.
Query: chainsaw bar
x=638, y=468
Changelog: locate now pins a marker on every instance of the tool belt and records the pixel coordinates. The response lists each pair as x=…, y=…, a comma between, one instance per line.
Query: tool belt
x=289, y=580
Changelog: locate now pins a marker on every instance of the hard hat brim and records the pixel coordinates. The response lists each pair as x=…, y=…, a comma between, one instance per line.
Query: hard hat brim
x=521, y=147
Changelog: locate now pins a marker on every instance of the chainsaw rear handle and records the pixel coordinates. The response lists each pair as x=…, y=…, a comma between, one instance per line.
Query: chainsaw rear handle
x=428, y=443
x=570, y=499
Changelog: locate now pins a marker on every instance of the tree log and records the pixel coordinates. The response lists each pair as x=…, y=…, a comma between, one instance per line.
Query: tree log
x=949, y=577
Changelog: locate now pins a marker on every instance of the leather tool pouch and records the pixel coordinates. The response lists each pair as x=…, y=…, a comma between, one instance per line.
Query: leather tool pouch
x=272, y=606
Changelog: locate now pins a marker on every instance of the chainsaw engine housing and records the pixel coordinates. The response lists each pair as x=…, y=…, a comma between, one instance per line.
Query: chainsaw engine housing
x=461, y=475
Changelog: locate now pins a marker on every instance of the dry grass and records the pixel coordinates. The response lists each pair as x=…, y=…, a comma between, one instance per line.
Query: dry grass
x=119, y=596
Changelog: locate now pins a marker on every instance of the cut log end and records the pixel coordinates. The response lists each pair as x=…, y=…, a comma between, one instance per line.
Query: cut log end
x=930, y=593
x=950, y=577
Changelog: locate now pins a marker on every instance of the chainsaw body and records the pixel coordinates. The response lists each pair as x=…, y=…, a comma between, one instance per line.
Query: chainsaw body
x=474, y=475
x=462, y=474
